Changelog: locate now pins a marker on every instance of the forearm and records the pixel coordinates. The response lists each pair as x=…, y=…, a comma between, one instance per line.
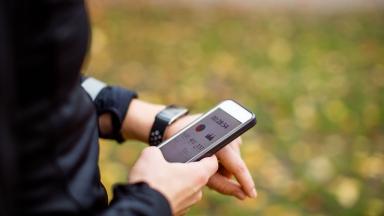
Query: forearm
x=139, y=119
x=120, y=115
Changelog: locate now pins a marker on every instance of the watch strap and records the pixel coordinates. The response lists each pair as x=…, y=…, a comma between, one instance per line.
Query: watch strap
x=157, y=131
x=156, y=135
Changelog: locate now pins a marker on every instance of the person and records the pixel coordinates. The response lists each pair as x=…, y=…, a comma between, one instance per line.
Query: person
x=52, y=118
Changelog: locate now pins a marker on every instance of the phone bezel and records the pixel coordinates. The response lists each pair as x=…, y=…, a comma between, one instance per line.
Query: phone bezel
x=247, y=119
x=235, y=110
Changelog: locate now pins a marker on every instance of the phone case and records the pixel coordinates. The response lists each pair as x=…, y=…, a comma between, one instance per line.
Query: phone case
x=252, y=122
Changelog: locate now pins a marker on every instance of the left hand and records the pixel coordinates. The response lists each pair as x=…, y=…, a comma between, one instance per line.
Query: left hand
x=231, y=164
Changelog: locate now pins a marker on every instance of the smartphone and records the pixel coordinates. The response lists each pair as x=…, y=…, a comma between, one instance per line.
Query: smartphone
x=209, y=133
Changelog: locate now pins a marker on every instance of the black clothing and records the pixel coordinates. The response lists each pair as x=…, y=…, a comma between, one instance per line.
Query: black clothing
x=7, y=156
x=53, y=120
x=115, y=101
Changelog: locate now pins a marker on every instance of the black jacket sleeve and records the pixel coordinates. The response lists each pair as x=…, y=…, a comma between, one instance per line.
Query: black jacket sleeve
x=137, y=199
x=114, y=100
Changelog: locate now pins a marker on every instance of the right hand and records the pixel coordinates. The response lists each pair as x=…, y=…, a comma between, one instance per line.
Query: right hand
x=180, y=183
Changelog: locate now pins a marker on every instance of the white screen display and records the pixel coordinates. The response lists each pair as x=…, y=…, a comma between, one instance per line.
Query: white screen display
x=199, y=136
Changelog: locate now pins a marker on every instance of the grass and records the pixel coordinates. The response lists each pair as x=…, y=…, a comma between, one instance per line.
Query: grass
x=316, y=84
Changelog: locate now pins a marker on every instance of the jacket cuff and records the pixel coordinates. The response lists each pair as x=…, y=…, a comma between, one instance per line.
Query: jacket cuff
x=109, y=99
x=145, y=198
x=114, y=100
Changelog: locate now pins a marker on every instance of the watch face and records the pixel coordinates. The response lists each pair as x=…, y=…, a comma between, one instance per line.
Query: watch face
x=170, y=114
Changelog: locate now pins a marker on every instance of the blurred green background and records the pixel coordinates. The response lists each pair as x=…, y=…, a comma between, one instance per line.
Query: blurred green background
x=314, y=80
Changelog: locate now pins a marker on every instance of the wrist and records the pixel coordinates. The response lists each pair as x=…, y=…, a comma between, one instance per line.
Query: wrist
x=179, y=124
x=163, y=120
x=139, y=119
x=176, y=126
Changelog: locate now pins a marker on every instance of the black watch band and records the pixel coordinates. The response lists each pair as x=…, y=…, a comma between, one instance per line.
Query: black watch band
x=164, y=118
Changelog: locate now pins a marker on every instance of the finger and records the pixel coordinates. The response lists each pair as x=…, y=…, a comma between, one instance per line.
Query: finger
x=235, y=145
x=234, y=164
x=208, y=166
x=226, y=186
x=224, y=172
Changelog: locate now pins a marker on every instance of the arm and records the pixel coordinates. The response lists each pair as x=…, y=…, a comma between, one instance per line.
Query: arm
x=173, y=188
x=137, y=123
x=111, y=103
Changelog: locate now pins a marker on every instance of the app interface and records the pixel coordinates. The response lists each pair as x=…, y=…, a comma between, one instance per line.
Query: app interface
x=200, y=136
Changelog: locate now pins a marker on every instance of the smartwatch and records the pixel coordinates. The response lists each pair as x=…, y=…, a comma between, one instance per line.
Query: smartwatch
x=164, y=118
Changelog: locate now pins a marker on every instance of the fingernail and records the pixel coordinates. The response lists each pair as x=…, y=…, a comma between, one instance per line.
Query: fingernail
x=253, y=193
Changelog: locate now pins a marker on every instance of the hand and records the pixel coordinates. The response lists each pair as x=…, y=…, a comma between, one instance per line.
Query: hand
x=180, y=183
x=231, y=164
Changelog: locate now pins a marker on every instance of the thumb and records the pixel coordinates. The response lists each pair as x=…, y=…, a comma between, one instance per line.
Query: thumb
x=152, y=152
x=209, y=165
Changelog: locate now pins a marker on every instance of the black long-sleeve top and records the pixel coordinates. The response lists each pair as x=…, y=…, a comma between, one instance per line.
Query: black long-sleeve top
x=52, y=125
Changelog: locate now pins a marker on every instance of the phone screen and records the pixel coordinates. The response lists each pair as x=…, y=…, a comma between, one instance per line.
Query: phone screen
x=199, y=136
